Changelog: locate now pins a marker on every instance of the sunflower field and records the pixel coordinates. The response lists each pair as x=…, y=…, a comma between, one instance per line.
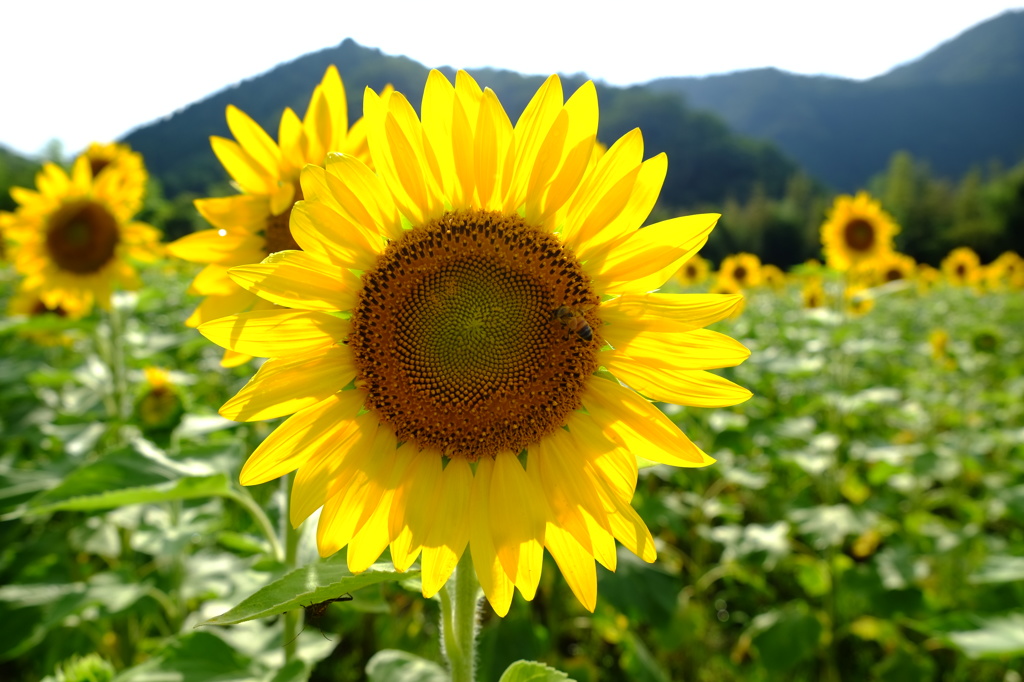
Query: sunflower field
x=847, y=502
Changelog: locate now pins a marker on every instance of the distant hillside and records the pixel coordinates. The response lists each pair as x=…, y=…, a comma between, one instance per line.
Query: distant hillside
x=14, y=170
x=960, y=105
x=707, y=162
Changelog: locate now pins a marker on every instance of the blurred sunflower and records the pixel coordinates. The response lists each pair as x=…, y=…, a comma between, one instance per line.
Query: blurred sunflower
x=891, y=267
x=117, y=159
x=250, y=226
x=813, y=294
x=858, y=300
x=464, y=395
x=728, y=287
x=962, y=267
x=857, y=230
x=1005, y=272
x=694, y=271
x=72, y=237
x=773, y=277
x=742, y=268
x=926, y=277
x=158, y=407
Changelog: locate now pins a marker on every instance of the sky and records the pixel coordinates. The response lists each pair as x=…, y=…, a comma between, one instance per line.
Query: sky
x=83, y=71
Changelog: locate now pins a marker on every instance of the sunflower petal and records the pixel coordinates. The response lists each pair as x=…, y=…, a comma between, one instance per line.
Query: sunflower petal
x=497, y=586
x=446, y=540
x=517, y=523
x=274, y=333
x=672, y=313
x=697, y=349
x=298, y=280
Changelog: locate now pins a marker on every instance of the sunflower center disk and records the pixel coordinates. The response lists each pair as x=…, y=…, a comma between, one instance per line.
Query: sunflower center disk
x=859, y=234
x=456, y=336
x=82, y=237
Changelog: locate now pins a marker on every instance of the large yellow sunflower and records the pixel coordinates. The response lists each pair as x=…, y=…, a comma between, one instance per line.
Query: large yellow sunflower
x=857, y=230
x=254, y=224
x=73, y=236
x=458, y=335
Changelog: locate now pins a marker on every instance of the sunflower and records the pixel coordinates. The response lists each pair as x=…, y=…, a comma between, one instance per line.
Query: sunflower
x=469, y=387
x=857, y=230
x=1004, y=272
x=813, y=294
x=72, y=237
x=891, y=267
x=694, y=271
x=742, y=268
x=117, y=159
x=773, y=277
x=858, y=300
x=927, y=277
x=727, y=286
x=250, y=226
x=159, y=406
x=962, y=267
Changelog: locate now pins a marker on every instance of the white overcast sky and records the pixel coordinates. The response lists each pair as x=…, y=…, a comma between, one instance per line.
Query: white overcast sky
x=82, y=71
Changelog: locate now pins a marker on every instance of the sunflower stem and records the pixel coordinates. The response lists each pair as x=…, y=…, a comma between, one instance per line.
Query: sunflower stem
x=291, y=552
x=117, y=364
x=459, y=622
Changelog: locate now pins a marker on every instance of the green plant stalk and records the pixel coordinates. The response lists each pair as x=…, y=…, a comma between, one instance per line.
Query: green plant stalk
x=117, y=364
x=291, y=547
x=458, y=620
x=243, y=498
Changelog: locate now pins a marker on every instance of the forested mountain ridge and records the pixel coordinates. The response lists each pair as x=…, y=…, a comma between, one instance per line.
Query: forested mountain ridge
x=958, y=106
x=707, y=162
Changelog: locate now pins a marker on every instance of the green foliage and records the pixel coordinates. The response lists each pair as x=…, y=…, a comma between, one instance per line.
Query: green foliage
x=865, y=519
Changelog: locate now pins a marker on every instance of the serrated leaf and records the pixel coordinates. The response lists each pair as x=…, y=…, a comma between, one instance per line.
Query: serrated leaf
x=312, y=584
x=532, y=671
x=390, y=665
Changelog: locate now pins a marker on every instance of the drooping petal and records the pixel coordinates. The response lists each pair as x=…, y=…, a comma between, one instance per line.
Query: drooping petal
x=517, y=523
x=448, y=535
x=299, y=280
x=497, y=586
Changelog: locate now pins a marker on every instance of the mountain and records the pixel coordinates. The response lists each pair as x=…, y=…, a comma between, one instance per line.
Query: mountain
x=707, y=162
x=958, y=106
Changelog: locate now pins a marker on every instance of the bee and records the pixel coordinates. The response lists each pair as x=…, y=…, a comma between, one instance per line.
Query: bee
x=574, y=320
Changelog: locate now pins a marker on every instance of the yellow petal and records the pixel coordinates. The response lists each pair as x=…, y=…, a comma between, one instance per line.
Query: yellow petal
x=254, y=140
x=274, y=333
x=213, y=279
x=697, y=349
x=289, y=384
x=649, y=257
x=215, y=307
x=639, y=426
x=356, y=492
x=493, y=135
x=291, y=444
x=448, y=534
x=332, y=237
x=298, y=280
x=242, y=211
x=575, y=563
x=530, y=131
x=517, y=523
x=580, y=136
x=217, y=246
x=373, y=538
x=334, y=94
x=240, y=165
x=668, y=312
x=330, y=462
x=437, y=111
x=282, y=198
x=289, y=135
x=496, y=585
x=696, y=388
x=414, y=508
x=363, y=195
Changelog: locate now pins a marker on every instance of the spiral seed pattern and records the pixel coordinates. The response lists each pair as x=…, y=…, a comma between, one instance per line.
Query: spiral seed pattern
x=455, y=339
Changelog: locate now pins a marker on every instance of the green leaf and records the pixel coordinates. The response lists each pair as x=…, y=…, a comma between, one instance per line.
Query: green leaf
x=997, y=637
x=312, y=584
x=785, y=637
x=196, y=657
x=531, y=671
x=390, y=665
x=296, y=671
x=126, y=477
